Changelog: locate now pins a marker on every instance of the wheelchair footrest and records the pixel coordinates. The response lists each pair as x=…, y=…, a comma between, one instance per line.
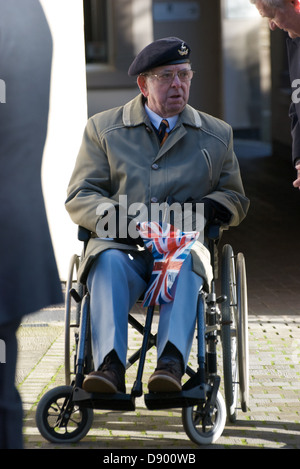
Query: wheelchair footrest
x=117, y=401
x=171, y=400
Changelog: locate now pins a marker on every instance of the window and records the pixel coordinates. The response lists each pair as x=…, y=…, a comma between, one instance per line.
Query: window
x=96, y=31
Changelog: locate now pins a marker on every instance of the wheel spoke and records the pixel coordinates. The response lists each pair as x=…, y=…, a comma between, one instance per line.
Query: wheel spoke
x=201, y=430
x=59, y=420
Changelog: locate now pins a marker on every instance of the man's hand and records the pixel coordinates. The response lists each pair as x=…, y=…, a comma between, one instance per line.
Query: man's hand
x=296, y=183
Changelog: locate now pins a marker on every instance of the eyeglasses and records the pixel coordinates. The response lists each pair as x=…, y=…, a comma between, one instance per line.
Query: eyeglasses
x=168, y=77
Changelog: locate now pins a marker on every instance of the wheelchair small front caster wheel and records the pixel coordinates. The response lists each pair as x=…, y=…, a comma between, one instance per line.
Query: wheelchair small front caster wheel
x=59, y=420
x=201, y=431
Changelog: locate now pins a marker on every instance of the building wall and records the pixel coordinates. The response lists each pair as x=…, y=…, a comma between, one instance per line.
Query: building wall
x=199, y=24
x=137, y=23
x=244, y=42
x=281, y=95
x=130, y=26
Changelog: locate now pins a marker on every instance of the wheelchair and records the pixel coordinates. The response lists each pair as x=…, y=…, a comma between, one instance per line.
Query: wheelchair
x=65, y=413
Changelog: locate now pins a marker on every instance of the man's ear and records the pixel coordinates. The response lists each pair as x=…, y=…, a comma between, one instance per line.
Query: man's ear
x=142, y=84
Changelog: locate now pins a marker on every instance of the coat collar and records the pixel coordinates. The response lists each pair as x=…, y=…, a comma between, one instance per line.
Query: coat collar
x=134, y=114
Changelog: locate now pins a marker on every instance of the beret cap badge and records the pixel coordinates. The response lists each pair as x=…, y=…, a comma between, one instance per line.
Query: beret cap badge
x=183, y=50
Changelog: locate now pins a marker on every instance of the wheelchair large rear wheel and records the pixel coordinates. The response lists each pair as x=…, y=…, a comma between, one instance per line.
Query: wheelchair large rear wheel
x=61, y=421
x=229, y=332
x=199, y=431
x=234, y=331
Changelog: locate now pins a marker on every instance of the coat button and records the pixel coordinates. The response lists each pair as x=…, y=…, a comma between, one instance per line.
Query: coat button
x=155, y=166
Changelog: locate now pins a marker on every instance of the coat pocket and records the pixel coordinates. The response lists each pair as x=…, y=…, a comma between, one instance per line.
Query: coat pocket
x=209, y=164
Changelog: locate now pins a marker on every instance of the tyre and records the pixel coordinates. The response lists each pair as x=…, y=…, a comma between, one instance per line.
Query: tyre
x=243, y=351
x=229, y=334
x=192, y=419
x=61, y=421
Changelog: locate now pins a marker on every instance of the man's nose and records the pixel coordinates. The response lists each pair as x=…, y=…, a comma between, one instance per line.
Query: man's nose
x=176, y=81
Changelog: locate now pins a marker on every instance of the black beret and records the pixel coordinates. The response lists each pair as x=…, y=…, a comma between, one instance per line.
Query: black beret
x=166, y=51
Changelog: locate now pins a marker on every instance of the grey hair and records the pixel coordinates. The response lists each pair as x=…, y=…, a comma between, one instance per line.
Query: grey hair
x=271, y=3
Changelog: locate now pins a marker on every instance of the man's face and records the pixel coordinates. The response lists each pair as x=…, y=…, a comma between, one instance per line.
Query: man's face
x=286, y=18
x=165, y=97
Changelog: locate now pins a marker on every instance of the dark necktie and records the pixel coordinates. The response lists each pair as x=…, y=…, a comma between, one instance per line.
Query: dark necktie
x=162, y=131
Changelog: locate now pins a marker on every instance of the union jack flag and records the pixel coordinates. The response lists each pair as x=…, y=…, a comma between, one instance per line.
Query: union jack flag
x=169, y=247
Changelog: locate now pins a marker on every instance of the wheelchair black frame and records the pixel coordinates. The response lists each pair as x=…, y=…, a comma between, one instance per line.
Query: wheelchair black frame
x=202, y=385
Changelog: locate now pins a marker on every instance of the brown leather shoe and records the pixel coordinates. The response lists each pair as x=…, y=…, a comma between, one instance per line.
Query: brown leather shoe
x=167, y=376
x=110, y=378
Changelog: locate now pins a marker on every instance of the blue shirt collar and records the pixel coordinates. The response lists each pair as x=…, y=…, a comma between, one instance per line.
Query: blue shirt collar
x=156, y=119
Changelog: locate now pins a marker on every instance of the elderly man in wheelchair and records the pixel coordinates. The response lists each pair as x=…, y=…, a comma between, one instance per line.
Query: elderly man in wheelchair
x=125, y=168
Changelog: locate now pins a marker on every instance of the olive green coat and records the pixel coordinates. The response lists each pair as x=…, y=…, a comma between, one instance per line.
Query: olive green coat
x=120, y=155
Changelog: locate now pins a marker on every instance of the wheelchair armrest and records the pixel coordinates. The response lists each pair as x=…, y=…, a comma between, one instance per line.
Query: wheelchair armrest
x=213, y=234
x=83, y=234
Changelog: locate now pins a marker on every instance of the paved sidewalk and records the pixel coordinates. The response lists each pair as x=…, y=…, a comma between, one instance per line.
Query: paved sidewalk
x=273, y=419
